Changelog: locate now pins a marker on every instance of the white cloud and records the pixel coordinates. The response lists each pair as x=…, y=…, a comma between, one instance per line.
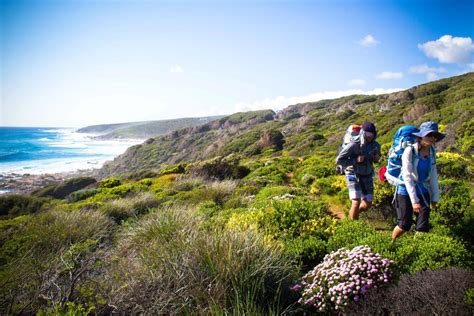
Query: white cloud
x=470, y=66
x=430, y=72
x=424, y=69
x=368, y=41
x=357, y=82
x=431, y=76
x=449, y=50
x=176, y=69
x=280, y=102
x=388, y=75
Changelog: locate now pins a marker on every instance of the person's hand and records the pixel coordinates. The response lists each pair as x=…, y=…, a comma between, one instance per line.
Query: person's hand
x=416, y=207
x=376, y=157
x=360, y=158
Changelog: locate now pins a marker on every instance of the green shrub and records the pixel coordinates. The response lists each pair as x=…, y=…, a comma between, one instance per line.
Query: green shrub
x=83, y=194
x=329, y=185
x=273, y=171
x=218, y=168
x=310, y=249
x=349, y=234
x=110, y=183
x=299, y=218
x=48, y=256
x=70, y=309
x=455, y=202
x=18, y=204
x=424, y=251
x=303, y=226
x=179, y=168
x=317, y=166
x=267, y=193
x=62, y=190
x=451, y=165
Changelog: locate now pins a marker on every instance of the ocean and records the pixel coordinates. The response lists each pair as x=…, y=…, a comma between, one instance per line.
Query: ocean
x=53, y=150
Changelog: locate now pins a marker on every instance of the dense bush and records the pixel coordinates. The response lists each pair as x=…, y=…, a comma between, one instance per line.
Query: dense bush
x=83, y=194
x=316, y=166
x=410, y=253
x=451, y=165
x=302, y=226
x=433, y=292
x=455, y=202
x=329, y=185
x=49, y=257
x=110, y=183
x=218, y=168
x=179, y=168
x=274, y=171
x=18, y=204
x=60, y=191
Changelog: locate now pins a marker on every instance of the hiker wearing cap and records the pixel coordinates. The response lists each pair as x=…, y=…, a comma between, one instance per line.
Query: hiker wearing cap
x=420, y=178
x=357, y=159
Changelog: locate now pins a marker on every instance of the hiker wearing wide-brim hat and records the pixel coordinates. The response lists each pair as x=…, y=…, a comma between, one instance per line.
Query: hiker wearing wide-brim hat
x=420, y=191
x=430, y=128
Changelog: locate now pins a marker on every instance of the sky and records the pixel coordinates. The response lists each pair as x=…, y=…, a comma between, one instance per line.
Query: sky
x=73, y=63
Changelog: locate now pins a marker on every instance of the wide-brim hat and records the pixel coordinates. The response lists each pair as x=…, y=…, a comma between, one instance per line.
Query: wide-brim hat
x=430, y=127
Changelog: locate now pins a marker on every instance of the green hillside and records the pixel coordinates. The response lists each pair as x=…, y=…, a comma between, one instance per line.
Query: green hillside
x=144, y=130
x=228, y=217
x=315, y=126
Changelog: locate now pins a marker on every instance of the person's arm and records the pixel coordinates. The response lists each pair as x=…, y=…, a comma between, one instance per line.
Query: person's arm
x=376, y=154
x=409, y=175
x=434, y=182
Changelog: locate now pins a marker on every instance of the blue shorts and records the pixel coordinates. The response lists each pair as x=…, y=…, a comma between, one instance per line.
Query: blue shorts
x=360, y=187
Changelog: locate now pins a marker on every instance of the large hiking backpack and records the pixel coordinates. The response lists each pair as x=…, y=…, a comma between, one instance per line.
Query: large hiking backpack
x=402, y=139
x=352, y=133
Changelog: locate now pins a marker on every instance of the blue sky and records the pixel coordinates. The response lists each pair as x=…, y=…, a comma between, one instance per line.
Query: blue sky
x=77, y=63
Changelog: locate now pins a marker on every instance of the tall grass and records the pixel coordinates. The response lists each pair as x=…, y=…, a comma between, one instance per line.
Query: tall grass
x=121, y=209
x=166, y=264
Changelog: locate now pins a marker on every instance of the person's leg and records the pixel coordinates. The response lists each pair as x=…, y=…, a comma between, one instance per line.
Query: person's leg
x=404, y=215
x=367, y=188
x=423, y=217
x=354, y=194
x=397, y=232
x=354, y=211
x=365, y=205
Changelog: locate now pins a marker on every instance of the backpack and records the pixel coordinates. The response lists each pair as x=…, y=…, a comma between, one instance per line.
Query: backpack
x=352, y=133
x=402, y=139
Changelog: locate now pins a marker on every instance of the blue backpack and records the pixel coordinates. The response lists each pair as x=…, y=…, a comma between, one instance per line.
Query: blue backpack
x=402, y=139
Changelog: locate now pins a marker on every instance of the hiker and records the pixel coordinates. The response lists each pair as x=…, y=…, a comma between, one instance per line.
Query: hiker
x=356, y=159
x=420, y=181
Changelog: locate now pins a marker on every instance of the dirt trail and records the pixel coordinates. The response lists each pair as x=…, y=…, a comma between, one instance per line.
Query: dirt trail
x=337, y=210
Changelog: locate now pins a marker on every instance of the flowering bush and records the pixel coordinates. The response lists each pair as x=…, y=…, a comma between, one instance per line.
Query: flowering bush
x=343, y=276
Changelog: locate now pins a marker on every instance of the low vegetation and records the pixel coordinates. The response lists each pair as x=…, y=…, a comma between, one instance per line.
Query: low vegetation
x=220, y=231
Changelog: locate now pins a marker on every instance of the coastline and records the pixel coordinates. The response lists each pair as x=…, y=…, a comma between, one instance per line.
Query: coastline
x=52, y=155
x=15, y=183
